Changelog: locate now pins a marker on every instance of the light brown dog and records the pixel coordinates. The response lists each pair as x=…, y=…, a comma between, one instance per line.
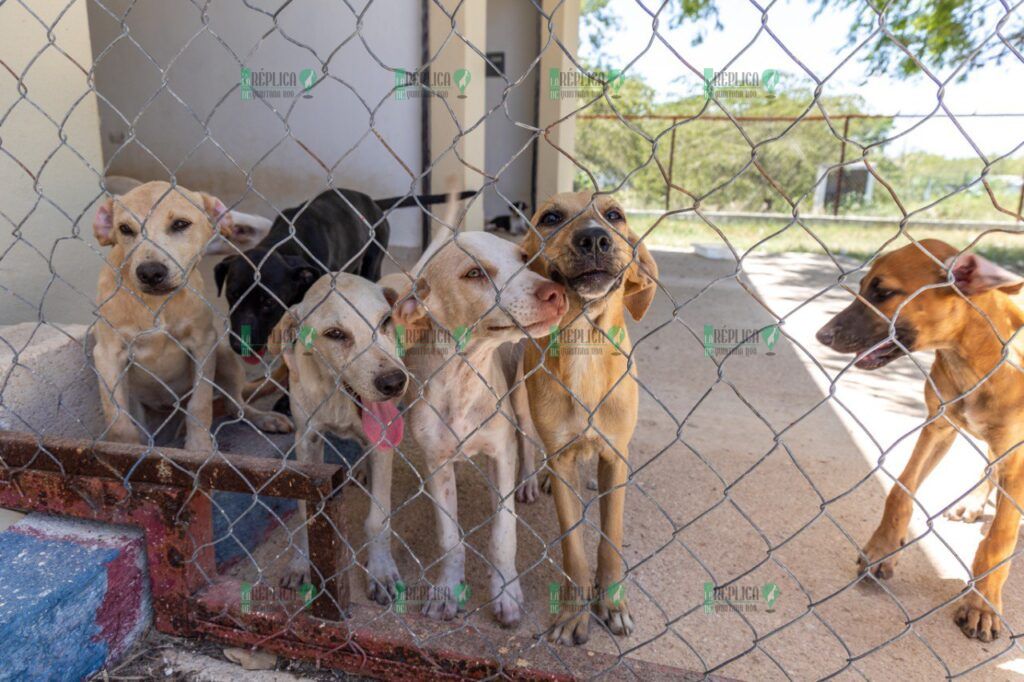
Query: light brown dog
x=158, y=353
x=906, y=304
x=584, y=397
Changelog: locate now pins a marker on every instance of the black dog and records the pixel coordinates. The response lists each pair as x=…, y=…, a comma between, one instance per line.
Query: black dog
x=332, y=233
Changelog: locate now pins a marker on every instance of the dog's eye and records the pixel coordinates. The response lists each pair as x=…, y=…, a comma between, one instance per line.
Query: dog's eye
x=180, y=225
x=551, y=218
x=126, y=230
x=883, y=294
x=876, y=294
x=525, y=256
x=613, y=215
x=385, y=322
x=474, y=273
x=336, y=334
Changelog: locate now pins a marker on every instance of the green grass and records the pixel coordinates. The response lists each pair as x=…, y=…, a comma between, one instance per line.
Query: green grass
x=854, y=240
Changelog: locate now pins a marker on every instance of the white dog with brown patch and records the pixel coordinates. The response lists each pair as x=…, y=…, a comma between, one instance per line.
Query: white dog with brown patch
x=472, y=294
x=158, y=353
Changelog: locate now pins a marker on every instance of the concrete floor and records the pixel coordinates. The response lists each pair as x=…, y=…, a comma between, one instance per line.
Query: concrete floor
x=752, y=476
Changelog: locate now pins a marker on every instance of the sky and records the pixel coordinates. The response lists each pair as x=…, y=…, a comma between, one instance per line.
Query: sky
x=819, y=42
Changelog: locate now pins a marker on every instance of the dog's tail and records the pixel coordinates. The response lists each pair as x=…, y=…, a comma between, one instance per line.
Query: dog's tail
x=420, y=200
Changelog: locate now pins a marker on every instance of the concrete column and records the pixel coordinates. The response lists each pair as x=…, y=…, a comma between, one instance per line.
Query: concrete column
x=555, y=171
x=459, y=116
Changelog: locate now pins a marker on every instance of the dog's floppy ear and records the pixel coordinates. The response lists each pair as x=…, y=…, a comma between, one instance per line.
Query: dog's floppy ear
x=220, y=273
x=974, y=275
x=641, y=280
x=103, y=223
x=409, y=311
x=390, y=295
x=218, y=213
x=305, y=274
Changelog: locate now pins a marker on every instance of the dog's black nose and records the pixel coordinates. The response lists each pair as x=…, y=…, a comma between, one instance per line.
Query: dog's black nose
x=592, y=240
x=390, y=384
x=826, y=335
x=151, y=273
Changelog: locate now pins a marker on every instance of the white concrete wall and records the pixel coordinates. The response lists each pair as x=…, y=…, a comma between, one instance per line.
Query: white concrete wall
x=38, y=234
x=248, y=138
x=512, y=28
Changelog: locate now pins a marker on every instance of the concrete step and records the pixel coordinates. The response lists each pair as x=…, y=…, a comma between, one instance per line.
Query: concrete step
x=74, y=595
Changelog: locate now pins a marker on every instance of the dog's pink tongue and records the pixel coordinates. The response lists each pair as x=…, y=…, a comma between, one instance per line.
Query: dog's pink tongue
x=382, y=424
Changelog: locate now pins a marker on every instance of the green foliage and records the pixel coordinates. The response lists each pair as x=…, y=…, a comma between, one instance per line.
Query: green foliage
x=939, y=33
x=714, y=160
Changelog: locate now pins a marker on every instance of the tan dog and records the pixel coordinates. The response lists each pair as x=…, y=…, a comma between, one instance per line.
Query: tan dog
x=157, y=349
x=905, y=304
x=455, y=329
x=237, y=231
x=339, y=347
x=586, y=403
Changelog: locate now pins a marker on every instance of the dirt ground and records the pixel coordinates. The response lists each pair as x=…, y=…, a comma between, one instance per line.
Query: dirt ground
x=748, y=474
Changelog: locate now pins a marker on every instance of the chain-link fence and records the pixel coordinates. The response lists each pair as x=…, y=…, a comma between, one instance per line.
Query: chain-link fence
x=714, y=469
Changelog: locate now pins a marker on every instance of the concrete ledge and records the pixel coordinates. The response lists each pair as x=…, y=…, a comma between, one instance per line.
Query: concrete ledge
x=74, y=595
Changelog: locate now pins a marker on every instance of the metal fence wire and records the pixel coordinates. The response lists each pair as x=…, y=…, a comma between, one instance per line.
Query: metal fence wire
x=724, y=536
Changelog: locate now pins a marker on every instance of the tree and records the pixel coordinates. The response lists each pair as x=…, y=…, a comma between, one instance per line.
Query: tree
x=712, y=158
x=939, y=33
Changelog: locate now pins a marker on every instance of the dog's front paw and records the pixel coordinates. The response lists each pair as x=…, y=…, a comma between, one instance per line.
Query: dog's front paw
x=528, y=490
x=296, y=575
x=383, y=576
x=977, y=620
x=878, y=546
x=571, y=628
x=272, y=422
x=445, y=601
x=971, y=508
x=545, y=481
x=507, y=601
x=615, y=615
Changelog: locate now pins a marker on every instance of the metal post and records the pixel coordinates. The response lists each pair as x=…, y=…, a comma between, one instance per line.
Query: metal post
x=842, y=159
x=672, y=162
